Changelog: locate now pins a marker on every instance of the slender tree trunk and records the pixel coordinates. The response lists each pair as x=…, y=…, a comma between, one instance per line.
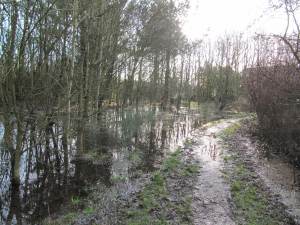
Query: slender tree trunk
x=18, y=151
x=138, y=88
x=180, y=85
x=84, y=93
x=188, y=77
x=56, y=152
x=153, y=97
x=167, y=77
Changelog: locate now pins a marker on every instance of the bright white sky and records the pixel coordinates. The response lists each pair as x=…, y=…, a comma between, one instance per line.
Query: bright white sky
x=216, y=17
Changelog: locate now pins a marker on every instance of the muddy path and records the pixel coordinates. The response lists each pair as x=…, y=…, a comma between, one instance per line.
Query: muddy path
x=211, y=200
x=235, y=185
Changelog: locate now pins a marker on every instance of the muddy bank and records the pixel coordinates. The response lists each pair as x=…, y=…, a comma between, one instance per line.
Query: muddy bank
x=260, y=185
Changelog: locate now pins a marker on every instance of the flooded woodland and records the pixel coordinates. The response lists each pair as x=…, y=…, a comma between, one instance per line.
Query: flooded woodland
x=149, y=112
x=122, y=144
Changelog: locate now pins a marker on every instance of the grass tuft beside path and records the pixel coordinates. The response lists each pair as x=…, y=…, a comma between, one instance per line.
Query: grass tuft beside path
x=252, y=204
x=167, y=198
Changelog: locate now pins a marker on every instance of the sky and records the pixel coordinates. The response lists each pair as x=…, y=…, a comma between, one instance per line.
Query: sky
x=216, y=17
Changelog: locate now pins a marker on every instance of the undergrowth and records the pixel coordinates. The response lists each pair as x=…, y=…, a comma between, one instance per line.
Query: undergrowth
x=155, y=204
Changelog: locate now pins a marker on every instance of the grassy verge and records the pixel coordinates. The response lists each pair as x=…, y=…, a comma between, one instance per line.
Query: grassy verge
x=167, y=198
x=252, y=204
x=163, y=199
x=76, y=208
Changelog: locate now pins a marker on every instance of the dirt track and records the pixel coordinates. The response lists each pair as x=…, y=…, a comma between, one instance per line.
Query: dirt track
x=211, y=203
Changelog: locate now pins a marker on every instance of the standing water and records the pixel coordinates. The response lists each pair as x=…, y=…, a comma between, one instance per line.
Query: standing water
x=122, y=144
x=280, y=176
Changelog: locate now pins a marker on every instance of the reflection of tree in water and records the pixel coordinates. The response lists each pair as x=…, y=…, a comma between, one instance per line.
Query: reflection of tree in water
x=36, y=189
x=160, y=134
x=5, y=180
x=15, y=210
x=163, y=136
x=151, y=150
x=46, y=180
x=96, y=161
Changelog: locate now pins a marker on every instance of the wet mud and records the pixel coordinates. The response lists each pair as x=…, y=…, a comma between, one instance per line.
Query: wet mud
x=211, y=200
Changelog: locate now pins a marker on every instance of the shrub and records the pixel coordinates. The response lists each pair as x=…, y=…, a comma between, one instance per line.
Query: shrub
x=274, y=94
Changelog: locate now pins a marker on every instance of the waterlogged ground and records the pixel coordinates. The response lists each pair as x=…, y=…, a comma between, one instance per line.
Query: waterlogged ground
x=266, y=185
x=163, y=196
x=163, y=168
x=189, y=188
x=120, y=151
x=229, y=184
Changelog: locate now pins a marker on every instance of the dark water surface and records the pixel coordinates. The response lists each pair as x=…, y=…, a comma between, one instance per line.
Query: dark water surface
x=122, y=145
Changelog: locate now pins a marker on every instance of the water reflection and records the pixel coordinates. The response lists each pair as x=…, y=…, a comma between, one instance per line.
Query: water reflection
x=122, y=144
x=282, y=178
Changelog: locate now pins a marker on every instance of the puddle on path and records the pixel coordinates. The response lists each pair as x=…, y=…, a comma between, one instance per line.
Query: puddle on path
x=211, y=197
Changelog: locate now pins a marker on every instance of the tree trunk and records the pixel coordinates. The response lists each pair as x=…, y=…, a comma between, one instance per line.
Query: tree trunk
x=155, y=75
x=18, y=151
x=180, y=85
x=167, y=77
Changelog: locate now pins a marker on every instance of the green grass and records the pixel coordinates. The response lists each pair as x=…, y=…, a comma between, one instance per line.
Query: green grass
x=185, y=209
x=153, y=203
x=75, y=201
x=172, y=162
x=135, y=157
x=227, y=158
x=149, y=200
x=153, y=199
x=251, y=205
x=88, y=210
x=230, y=131
x=68, y=219
x=249, y=201
x=117, y=178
